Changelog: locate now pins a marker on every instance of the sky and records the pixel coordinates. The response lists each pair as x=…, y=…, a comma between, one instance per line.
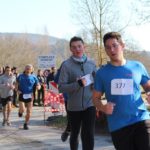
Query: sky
x=37, y=16
x=52, y=17
x=142, y=35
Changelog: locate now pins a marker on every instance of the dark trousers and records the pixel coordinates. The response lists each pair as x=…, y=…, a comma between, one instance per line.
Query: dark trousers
x=15, y=97
x=0, y=103
x=41, y=95
x=68, y=128
x=84, y=120
x=34, y=94
x=133, y=137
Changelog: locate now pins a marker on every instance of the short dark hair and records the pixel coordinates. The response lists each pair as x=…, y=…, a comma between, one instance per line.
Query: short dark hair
x=112, y=35
x=7, y=67
x=14, y=68
x=74, y=39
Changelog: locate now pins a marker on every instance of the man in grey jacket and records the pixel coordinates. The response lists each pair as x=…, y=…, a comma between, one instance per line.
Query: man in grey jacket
x=76, y=79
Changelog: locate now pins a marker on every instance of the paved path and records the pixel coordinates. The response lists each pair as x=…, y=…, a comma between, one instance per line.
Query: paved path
x=39, y=136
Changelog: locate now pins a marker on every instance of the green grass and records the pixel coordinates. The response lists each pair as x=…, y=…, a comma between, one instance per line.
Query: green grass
x=58, y=121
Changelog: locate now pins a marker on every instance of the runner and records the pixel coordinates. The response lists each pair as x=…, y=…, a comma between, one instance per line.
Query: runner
x=120, y=81
x=7, y=85
x=25, y=84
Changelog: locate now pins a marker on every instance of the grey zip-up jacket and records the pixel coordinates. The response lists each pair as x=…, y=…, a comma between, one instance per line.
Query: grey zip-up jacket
x=79, y=98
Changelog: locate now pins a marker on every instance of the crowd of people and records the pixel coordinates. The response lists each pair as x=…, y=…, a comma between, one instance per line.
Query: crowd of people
x=22, y=90
x=83, y=85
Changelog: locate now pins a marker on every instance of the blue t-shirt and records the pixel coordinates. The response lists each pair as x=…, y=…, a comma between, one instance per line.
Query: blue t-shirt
x=121, y=85
x=26, y=83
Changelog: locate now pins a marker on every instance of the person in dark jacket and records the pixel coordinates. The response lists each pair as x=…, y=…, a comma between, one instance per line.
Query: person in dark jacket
x=40, y=92
x=50, y=76
x=16, y=74
x=65, y=134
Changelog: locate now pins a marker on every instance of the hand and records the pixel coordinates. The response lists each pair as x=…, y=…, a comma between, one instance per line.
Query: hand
x=83, y=81
x=12, y=87
x=109, y=108
x=38, y=87
x=7, y=84
x=148, y=97
x=19, y=92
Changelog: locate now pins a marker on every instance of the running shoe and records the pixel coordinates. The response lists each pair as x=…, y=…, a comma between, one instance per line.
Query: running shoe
x=25, y=126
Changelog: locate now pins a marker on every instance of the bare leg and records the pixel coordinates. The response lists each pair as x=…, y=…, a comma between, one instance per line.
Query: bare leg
x=9, y=107
x=4, y=112
x=28, y=111
x=21, y=107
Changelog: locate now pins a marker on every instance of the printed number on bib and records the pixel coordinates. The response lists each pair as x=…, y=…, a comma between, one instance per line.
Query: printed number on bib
x=122, y=87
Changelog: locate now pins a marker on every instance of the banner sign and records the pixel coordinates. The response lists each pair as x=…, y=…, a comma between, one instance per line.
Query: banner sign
x=46, y=62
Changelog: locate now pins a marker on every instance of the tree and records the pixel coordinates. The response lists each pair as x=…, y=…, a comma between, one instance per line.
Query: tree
x=18, y=50
x=99, y=16
x=141, y=11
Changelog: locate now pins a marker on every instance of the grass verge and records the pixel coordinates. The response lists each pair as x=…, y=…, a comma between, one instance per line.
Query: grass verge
x=57, y=121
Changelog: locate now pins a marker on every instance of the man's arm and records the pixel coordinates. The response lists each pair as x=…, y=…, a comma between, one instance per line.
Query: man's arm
x=106, y=108
x=63, y=83
x=1, y=83
x=37, y=83
x=38, y=86
x=17, y=87
x=146, y=88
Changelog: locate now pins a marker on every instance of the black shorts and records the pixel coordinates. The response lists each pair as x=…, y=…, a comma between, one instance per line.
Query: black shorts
x=21, y=99
x=5, y=100
x=133, y=137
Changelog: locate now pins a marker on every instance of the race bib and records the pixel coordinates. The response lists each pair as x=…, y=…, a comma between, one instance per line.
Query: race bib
x=27, y=96
x=122, y=87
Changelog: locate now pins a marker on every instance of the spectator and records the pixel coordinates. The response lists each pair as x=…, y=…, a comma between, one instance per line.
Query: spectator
x=16, y=74
x=50, y=76
x=76, y=79
x=40, y=92
x=66, y=133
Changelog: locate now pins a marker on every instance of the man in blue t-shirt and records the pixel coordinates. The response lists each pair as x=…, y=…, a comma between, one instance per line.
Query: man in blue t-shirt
x=26, y=82
x=120, y=80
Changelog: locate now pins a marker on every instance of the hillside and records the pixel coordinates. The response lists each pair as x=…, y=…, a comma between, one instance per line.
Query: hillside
x=18, y=49
x=34, y=38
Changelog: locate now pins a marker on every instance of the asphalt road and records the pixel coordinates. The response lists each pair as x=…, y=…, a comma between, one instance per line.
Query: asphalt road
x=39, y=136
